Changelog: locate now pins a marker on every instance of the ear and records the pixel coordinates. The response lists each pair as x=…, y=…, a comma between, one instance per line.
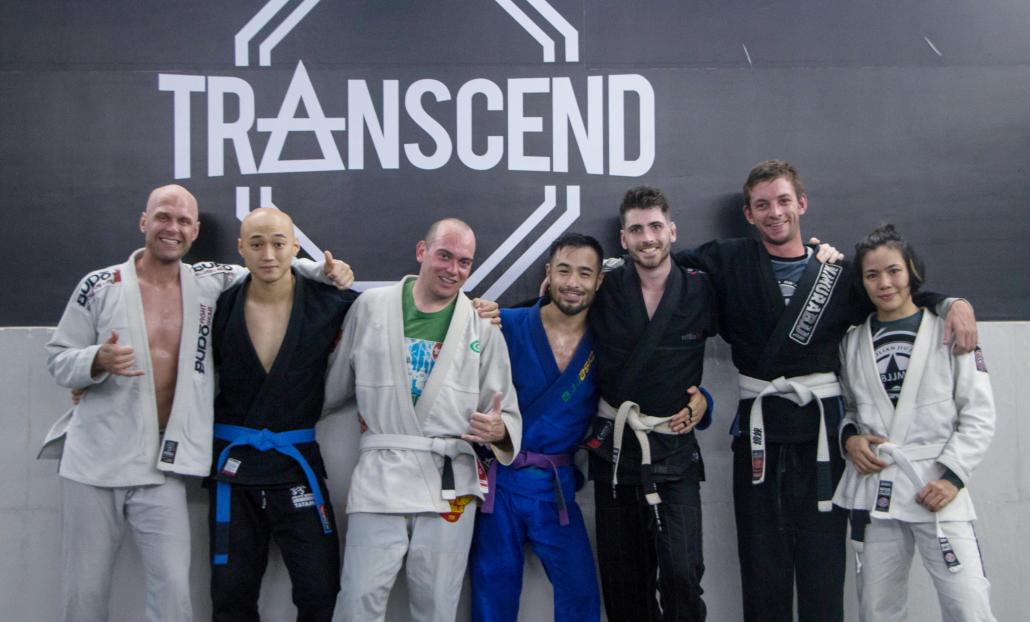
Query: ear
x=747, y=214
x=142, y=222
x=296, y=248
x=420, y=251
x=802, y=204
x=672, y=231
x=622, y=239
x=547, y=270
x=239, y=247
x=196, y=232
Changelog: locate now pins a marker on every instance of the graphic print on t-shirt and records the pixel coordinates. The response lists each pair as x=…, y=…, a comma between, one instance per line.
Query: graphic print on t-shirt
x=419, y=357
x=892, y=345
x=788, y=274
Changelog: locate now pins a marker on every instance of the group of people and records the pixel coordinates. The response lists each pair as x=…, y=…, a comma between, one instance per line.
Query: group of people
x=468, y=432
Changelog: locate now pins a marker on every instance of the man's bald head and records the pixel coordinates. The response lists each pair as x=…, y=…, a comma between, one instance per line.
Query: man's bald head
x=265, y=217
x=445, y=225
x=171, y=194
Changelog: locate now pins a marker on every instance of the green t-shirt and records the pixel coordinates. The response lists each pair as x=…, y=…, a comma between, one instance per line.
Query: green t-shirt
x=423, y=338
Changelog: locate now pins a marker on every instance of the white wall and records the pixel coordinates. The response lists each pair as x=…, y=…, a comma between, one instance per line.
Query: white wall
x=30, y=503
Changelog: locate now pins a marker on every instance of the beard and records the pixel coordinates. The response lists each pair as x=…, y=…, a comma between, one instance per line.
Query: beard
x=649, y=261
x=569, y=308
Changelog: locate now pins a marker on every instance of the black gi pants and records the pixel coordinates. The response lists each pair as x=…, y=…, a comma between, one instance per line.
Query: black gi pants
x=782, y=535
x=312, y=557
x=636, y=559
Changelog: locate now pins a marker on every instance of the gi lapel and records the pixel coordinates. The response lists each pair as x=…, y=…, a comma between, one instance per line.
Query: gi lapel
x=870, y=373
x=137, y=338
x=800, y=319
x=563, y=381
x=182, y=402
x=654, y=329
x=281, y=362
x=410, y=423
x=905, y=411
x=453, y=346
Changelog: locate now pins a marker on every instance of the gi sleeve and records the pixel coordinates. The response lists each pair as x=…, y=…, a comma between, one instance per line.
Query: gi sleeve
x=849, y=425
x=74, y=345
x=975, y=403
x=707, y=257
x=495, y=377
x=339, y=381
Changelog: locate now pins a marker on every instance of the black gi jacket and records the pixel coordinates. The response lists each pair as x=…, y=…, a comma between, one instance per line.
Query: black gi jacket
x=650, y=362
x=290, y=396
x=750, y=309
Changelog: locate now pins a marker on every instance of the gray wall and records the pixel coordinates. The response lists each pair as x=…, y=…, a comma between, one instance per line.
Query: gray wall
x=30, y=513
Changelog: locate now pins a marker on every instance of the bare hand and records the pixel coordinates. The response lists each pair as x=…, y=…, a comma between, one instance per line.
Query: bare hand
x=936, y=494
x=488, y=310
x=826, y=253
x=685, y=420
x=338, y=272
x=77, y=396
x=487, y=427
x=860, y=450
x=960, y=328
x=115, y=359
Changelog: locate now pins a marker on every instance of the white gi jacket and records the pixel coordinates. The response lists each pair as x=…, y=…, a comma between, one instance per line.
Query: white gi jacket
x=944, y=418
x=369, y=364
x=111, y=438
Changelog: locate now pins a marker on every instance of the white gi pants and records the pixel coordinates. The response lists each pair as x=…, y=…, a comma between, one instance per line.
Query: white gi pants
x=887, y=557
x=94, y=521
x=437, y=553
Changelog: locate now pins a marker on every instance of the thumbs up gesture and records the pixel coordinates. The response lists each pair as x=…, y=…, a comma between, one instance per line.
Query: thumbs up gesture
x=487, y=427
x=115, y=359
x=337, y=271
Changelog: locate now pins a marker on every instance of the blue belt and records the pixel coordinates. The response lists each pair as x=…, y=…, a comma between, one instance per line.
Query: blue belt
x=263, y=440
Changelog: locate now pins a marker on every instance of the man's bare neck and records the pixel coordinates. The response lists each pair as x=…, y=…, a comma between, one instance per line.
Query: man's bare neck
x=553, y=318
x=271, y=293
x=790, y=250
x=425, y=301
x=654, y=279
x=155, y=272
x=564, y=333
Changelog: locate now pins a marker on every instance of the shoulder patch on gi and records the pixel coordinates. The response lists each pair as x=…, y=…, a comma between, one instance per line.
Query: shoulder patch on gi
x=209, y=268
x=94, y=282
x=978, y=356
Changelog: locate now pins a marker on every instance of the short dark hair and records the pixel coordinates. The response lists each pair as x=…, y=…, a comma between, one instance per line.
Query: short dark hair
x=768, y=171
x=571, y=239
x=887, y=235
x=643, y=197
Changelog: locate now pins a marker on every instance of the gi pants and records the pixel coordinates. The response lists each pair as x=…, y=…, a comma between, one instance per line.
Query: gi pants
x=636, y=559
x=783, y=539
x=312, y=557
x=497, y=559
x=964, y=596
x=94, y=520
x=433, y=550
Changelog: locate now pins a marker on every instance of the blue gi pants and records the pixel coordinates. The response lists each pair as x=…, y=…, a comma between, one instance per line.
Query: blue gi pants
x=497, y=559
x=637, y=559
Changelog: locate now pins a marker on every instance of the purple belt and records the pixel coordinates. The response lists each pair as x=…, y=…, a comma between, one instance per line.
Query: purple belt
x=532, y=459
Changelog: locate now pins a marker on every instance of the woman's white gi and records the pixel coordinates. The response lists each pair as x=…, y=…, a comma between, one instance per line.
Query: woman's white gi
x=944, y=418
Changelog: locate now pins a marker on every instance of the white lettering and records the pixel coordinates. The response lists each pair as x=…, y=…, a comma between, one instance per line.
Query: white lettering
x=218, y=130
x=519, y=124
x=590, y=139
x=418, y=114
x=618, y=87
x=494, y=144
x=385, y=137
x=181, y=86
x=301, y=91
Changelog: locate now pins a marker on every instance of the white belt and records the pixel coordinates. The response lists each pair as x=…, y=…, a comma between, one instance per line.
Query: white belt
x=903, y=455
x=641, y=424
x=449, y=448
x=801, y=390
